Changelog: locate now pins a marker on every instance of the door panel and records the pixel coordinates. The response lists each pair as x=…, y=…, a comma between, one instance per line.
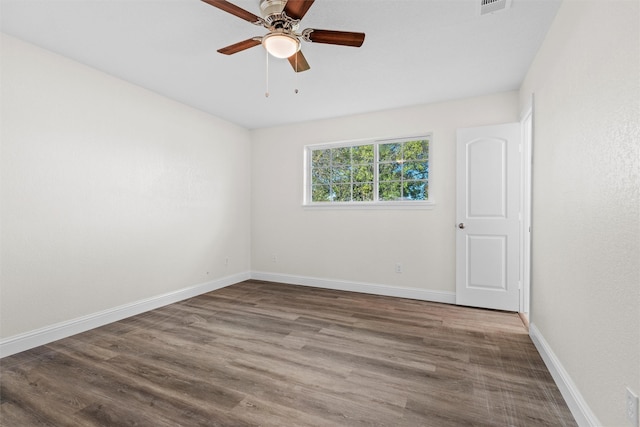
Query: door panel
x=487, y=262
x=488, y=205
x=486, y=186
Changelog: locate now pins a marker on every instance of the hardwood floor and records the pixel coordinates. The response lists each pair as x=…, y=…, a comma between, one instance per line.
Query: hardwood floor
x=266, y=354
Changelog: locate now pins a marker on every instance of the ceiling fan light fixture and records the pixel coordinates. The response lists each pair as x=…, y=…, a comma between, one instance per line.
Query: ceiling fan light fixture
x=281, y=45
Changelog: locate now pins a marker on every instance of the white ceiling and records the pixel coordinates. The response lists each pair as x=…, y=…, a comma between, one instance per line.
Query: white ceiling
x=415, y=52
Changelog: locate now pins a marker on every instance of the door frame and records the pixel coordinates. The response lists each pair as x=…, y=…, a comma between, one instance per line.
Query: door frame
x=526, y=121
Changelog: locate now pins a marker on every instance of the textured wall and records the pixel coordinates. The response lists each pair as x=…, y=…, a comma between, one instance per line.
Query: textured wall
x=110, y=193
x=586, y=216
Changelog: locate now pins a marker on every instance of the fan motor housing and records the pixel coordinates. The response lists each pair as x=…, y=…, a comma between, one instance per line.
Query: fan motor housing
x=271, y=7
x=273, y=14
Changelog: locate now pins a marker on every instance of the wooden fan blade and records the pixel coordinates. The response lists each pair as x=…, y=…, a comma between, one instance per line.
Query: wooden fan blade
x=343, y=38
x=234, y=10
x=299, y=62
x=240, y=46
x=296, y=9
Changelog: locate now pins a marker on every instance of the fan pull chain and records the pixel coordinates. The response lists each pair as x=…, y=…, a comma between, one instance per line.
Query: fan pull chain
x=296, y=77
x=266, y=94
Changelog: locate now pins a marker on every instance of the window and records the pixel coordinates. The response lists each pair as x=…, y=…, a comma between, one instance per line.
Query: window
x=378, y=172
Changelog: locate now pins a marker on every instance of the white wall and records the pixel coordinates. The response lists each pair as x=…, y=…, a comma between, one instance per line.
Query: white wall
x=586, y=216
x=363, y=246
x=110, y=193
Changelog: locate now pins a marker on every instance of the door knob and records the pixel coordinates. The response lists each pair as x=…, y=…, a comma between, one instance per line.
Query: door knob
x=461, y=226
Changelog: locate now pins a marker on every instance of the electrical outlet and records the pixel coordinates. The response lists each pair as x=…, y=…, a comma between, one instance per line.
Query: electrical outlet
x=226, y=262
x=631, y=407
x=274, y=258
x=398, y=268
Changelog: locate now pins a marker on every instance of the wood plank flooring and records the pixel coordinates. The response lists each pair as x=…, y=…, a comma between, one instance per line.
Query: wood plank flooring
x=266, y=354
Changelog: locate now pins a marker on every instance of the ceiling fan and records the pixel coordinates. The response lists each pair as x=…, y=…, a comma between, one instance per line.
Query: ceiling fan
x=282, y=19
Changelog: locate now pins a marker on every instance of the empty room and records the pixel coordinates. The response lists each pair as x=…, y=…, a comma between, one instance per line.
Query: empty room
x=320, y=213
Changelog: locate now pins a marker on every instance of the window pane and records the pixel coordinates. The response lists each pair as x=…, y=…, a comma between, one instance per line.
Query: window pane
x=414, y=190
x=320, y=158
x=320, y=193
x=349, y=173
x=341, y=174
x=416, y=150
x=341, y=192
x=390, y=171
x=362, y=154
x=415, y=170
x=390, y=152
x=363, y=192
x=341, y=156
x=363, y=173
x=390, y=191
x=321, y=176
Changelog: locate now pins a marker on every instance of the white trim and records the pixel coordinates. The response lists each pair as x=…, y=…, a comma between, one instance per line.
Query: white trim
x=365, y=141
x=576, y=403
x=390, y=205
x=48, y=334
x=365, y=288
x=526, y=117
x=42, y=336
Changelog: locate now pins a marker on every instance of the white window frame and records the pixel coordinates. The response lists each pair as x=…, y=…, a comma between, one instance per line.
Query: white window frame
x=377, y=204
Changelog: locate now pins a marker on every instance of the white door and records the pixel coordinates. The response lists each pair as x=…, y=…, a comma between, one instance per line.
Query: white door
x=487, y=217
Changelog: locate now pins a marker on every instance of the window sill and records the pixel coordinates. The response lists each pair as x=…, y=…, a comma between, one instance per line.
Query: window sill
x=373, y=205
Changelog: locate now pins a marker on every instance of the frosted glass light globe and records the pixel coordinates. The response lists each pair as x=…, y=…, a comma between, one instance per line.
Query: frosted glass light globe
x=281, y=45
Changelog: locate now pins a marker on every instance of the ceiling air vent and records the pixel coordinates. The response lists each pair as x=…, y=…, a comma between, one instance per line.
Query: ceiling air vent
x=490, y=6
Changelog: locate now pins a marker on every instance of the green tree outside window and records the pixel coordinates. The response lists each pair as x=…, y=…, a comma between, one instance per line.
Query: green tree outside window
x=375, y=172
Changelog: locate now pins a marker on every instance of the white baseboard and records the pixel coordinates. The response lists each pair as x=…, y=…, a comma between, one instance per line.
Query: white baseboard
x=38, y=337
x=366, y=288
x=48, y=334
x=576, y=403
